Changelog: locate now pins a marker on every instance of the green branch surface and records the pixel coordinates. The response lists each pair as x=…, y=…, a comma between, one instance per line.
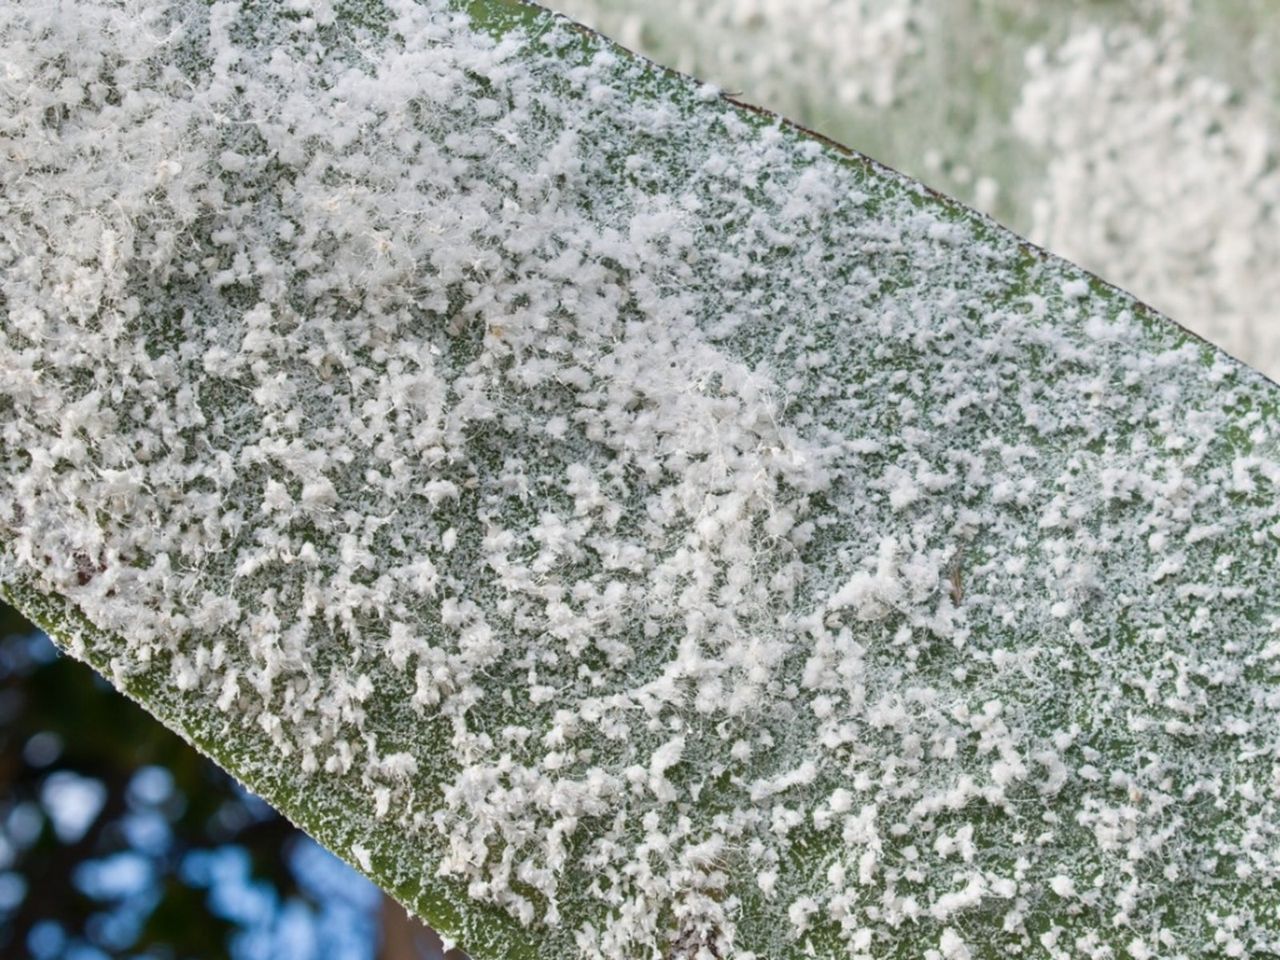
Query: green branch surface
x=620, y=522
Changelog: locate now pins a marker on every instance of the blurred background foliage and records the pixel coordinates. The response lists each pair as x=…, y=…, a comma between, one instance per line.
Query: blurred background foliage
x=1138, y=138
x=117, y=839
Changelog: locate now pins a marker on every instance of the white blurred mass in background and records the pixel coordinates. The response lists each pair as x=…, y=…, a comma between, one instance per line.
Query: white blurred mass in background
x=1138, y=138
